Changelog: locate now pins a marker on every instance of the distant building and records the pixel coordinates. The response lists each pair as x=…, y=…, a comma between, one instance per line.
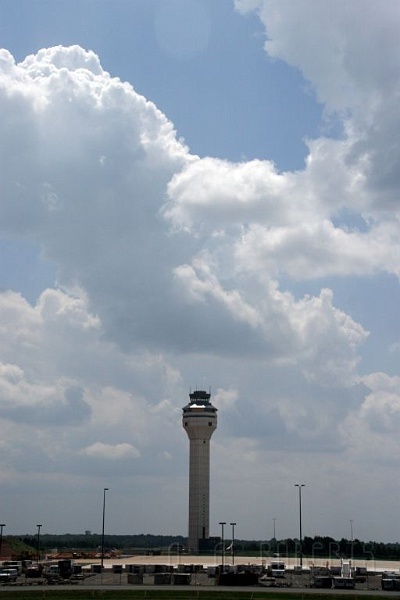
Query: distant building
x=199, y=419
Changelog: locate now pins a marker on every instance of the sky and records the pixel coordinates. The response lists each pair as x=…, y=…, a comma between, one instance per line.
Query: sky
x=200, y=194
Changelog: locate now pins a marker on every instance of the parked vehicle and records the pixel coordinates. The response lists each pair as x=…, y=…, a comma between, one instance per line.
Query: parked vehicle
x=13, y=564
x=7, y=575
x=276, y=569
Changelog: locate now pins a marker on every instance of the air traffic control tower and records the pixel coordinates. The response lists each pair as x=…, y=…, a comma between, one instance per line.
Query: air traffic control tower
x=199, y=420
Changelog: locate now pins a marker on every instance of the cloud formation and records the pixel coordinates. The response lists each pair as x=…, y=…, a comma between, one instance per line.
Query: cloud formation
x=109, y=452
x=172, y=267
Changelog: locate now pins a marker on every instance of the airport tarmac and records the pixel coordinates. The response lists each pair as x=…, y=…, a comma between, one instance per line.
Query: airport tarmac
x=216, y=559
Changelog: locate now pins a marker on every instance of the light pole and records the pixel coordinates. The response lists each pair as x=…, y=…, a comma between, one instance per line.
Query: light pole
x=222, y=523
x=300, y=485
x=1, y=536
x=38, y=542
x=351, y=534
x=274, y=520
x=102, y=530
x=233, y=543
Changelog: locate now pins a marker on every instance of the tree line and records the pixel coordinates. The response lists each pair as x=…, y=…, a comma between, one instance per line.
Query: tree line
x=317, y=547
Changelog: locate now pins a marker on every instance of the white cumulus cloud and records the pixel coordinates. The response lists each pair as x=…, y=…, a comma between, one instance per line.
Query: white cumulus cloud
x=172, y=268
x=111, y=452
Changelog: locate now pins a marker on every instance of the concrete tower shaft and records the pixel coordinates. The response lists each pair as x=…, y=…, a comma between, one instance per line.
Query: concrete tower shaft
x=199, y=420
